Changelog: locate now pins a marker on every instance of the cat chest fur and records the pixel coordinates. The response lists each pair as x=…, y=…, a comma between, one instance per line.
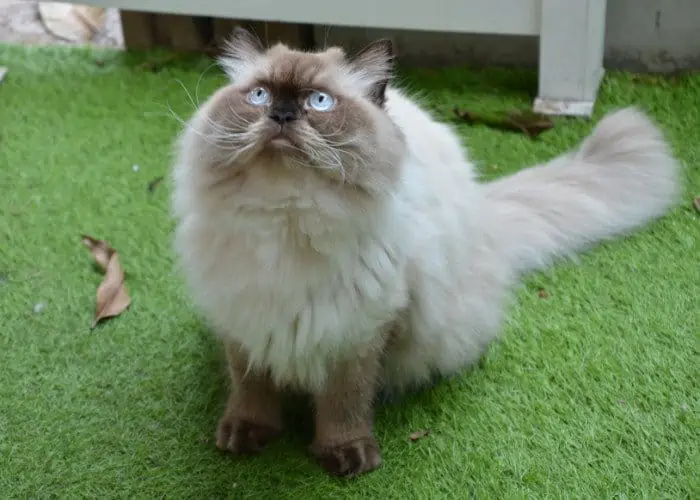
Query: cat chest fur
x=296, y=302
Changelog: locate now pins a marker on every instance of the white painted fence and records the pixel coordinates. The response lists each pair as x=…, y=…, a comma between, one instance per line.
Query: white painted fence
x=571, y=32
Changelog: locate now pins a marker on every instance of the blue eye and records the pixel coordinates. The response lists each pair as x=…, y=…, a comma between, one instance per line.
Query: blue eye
x=320, y=101
x=259, y=96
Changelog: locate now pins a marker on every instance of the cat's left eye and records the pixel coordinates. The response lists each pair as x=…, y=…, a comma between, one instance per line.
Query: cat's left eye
x=259, y=96
x=320, y=101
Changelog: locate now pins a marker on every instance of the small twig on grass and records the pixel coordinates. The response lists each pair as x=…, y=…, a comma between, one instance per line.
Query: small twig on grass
x=415, y=436
x=154, y=184
x=530, y=124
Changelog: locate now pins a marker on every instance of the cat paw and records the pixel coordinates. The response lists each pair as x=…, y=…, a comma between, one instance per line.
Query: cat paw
x=243, y=437
x=349, y=459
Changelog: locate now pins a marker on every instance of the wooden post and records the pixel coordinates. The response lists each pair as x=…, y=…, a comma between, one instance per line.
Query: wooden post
x=183, y=33
x=138, y=29
x=571, y=56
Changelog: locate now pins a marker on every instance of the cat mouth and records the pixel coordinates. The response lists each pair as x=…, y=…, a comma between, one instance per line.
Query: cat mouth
x=280, y=140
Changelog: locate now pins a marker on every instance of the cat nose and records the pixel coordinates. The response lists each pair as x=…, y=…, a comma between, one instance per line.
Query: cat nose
x=283, y=116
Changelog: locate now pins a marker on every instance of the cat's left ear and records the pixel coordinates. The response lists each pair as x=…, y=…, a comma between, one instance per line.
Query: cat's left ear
x=241, y=52
x=374, y=65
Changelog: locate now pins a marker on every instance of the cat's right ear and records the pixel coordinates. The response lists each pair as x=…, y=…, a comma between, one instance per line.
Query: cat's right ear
x=374, y=65
x=240, y=52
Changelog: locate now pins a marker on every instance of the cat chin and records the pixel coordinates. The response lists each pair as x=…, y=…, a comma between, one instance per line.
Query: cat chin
x=280, y=143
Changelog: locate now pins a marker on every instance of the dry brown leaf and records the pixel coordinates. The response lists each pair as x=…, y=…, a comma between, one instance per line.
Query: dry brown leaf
x=154, y=184
x=696, y=203
x=659, y=79
x=529, y=123
x=542, y=293
x=415, y=436
x=112, y=297
x=101, y=251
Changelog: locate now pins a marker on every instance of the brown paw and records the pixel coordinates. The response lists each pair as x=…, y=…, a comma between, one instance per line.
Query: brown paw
x=242, y=437
x=349, y=459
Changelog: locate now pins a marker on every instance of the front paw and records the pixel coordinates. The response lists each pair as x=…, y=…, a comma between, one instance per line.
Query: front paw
x=349, y=459
x=243, y=437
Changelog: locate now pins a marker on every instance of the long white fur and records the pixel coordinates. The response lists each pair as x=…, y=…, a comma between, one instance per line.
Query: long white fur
x=301, y=279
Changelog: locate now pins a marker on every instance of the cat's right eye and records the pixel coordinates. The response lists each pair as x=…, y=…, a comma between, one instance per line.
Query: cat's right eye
x=259, y=96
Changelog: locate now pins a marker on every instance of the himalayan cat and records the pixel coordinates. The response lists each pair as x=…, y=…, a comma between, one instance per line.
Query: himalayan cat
x=336, y=239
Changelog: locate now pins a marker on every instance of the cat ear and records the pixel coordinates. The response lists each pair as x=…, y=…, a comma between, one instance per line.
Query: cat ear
x=374, y=66
x=240, y=52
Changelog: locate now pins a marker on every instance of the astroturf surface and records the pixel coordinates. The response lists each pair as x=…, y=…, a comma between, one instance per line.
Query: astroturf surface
x=591, y=393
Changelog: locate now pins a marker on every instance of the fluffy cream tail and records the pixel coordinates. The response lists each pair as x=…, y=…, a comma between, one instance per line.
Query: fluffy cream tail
x=622, y=176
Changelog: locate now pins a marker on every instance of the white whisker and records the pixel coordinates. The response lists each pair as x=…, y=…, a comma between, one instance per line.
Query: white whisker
x=195, y=106
x=199, y=80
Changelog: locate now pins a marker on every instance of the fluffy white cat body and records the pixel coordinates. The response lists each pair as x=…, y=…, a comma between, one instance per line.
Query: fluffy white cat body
x=302, y=275
x=336, y=238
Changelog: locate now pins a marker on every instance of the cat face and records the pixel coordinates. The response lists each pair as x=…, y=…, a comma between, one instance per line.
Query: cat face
x=303, y=110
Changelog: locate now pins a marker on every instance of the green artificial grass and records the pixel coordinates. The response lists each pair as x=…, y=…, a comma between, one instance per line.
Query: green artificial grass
x=592, y=392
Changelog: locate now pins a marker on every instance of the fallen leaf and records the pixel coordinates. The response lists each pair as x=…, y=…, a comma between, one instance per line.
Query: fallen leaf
x=154, y=184
x=696, y=203
x=648, y=78
x=528, y=123
x=112, y=297
x=671, y=78
x=415, y=436
x=101, y=251
x=542, y=293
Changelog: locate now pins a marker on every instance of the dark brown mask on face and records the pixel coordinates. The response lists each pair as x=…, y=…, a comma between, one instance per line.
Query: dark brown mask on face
x=321, y=110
